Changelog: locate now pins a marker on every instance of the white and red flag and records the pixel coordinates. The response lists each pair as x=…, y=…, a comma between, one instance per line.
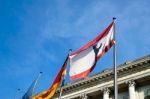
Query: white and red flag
x=83, y=61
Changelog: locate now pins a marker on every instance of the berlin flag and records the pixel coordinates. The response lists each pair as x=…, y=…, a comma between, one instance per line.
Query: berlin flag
x=83, y=61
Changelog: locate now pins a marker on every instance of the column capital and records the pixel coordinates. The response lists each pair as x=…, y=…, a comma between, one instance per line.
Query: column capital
x=131, y=83
x=105, y=90
x=83, y=96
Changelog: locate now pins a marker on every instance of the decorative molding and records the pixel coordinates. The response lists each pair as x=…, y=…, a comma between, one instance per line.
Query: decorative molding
x=127, y=72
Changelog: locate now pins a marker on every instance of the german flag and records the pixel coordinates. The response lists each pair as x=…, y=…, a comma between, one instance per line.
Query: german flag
x=48, y=94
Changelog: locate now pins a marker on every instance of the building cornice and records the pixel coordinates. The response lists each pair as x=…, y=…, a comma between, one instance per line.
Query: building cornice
x=107, y=75
x=123, y=67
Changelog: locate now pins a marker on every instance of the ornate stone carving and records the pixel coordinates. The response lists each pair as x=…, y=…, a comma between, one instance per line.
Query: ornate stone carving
x=84, y=96
x=106, y=91
x=130, y=83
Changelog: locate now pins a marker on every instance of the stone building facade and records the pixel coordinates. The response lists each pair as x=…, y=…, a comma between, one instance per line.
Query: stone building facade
x=133, y=83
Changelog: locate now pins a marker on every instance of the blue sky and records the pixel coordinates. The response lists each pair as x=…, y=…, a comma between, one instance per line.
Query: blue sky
x=35, y=36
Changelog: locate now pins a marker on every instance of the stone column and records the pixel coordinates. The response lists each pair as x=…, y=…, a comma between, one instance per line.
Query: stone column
x=132, y=90
x=106, y=93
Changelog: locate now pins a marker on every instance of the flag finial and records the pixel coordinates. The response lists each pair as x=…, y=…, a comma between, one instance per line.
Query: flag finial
x=41, y=72
x=114, y=18
x=70, y=50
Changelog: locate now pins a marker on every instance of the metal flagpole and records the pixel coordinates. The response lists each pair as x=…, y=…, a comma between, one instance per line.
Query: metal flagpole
x=61, y=89
x=62, y=83
x=18, y=90
x=115, y=67
x=36, y=82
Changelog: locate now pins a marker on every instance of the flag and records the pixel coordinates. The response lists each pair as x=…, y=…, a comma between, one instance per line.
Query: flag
x=48, y=94
x=83, y=61
x=31, y=89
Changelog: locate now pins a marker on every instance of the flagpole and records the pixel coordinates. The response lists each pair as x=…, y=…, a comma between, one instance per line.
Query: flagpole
x=61, y=89
x=62, y=83
x=115, y=67
x=37, y=80
x=18, y=90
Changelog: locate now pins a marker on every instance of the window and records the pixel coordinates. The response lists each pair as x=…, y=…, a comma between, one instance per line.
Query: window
x=147, y=94
x=125, y=97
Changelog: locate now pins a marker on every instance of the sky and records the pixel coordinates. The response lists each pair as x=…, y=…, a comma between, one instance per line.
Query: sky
x=35, y=36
